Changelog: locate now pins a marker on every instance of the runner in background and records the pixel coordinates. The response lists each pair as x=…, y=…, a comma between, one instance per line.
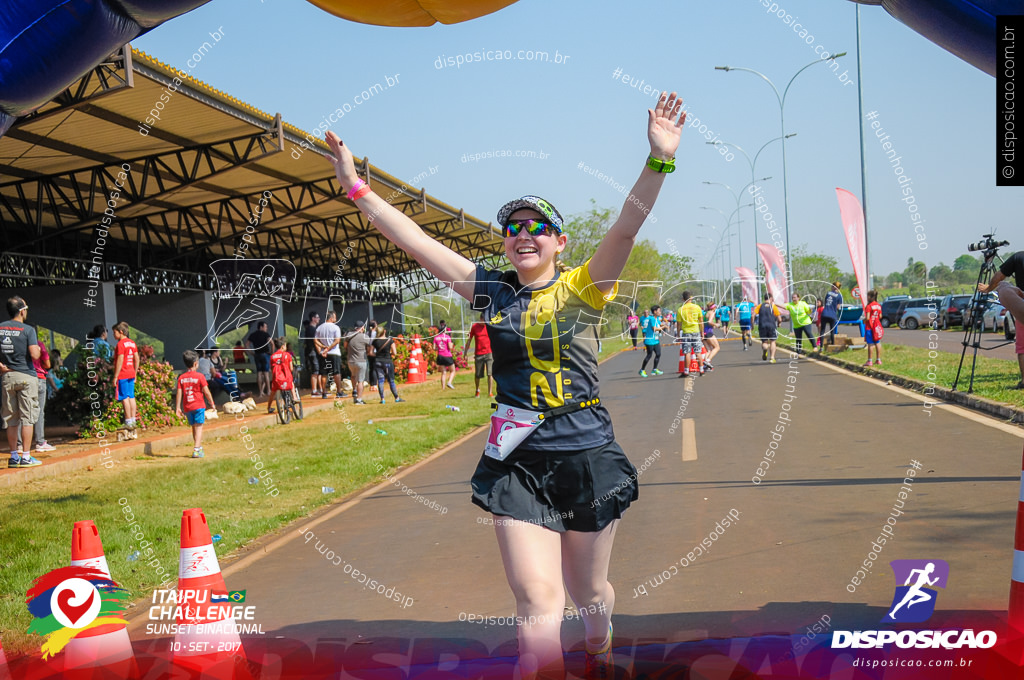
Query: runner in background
x=710, y=341
x=768, y=316
x=633, y=323
x=651, y=327
x=691, y=322
x=744, y=312
x=724, y=316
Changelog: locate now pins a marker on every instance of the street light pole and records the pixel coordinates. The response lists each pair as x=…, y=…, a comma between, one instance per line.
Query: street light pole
x=782, y=116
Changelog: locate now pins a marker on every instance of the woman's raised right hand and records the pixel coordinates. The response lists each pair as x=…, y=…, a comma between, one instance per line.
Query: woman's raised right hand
x=341, y=159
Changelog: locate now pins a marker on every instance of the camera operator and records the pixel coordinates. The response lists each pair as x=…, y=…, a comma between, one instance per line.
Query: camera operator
x=1010, y=298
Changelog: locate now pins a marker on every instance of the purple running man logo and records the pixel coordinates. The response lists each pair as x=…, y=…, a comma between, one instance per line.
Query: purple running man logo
x=914, y=601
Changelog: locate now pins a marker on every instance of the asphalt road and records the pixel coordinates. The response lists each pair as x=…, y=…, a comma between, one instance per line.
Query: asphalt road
x=802, y=532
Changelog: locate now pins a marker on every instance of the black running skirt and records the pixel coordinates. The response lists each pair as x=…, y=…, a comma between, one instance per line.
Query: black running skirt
x=559, y=490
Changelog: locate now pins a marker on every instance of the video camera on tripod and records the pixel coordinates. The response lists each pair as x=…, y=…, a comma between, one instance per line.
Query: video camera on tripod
x=987, y=244
x=973, y=315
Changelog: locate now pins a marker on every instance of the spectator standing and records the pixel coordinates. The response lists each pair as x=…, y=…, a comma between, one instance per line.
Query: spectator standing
x=239, y=353
x=100, y=346
x=283, y=379
x=57, y=374
x=800, y=315
x=371, y=333
x=191, y=396
x=873, y=327
x=443, y=344
x=126, y=362
x=19, y=347
x=328, y=345
x=1013, y=266
x=830, y=313
x=356, y=343
x=317, y=379
x=41, y=365
x=259, y=342
x=483, y=360
x=384, y=367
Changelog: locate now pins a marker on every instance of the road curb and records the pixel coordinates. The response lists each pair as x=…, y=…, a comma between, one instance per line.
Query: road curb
x=1005, y=412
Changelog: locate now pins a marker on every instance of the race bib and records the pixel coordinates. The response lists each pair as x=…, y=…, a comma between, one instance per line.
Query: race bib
x=509, y=427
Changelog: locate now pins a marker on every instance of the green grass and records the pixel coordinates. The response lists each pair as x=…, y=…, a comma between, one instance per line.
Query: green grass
x=322, y=450
x=992, y=377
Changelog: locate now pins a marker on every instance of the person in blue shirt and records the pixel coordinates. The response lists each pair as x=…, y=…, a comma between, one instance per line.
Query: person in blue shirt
x=724, y=316
x=650, y=326
x=830, y=313
x=744, y=310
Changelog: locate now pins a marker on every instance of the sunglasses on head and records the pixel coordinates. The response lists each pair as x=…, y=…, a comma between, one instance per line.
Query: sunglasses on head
x=533, y=228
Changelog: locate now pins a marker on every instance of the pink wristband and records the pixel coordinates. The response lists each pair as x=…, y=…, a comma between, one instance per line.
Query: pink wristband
x=362, y=191
x=356, y=187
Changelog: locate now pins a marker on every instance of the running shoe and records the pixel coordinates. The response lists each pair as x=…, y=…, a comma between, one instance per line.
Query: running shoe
x=658, y=371
x=684, y=374
x=326, y=395
x=772, y=361
x=643, y=373
x=271, y=411
x=399, y=400
x=878, y=362
x=764, y=355
x=477, y=393
x=198, y=453
x=359, y=402
x=383, y=401
x=14, y=461
x=29, y=461
x=600, y=665
x=315, y=394
x=45, y=446
x=867, y=363
x=1018, y=386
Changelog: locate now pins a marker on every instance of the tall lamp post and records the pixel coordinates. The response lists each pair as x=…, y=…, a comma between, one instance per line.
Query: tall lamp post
x=753, y=164
x=736, y=195
x=728, y=225
x=782, y=116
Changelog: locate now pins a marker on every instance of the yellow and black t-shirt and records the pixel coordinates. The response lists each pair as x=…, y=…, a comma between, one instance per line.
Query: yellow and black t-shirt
x=544, y=343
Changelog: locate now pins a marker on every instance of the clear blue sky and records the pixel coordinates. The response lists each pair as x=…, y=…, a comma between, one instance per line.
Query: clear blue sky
x=288, y=56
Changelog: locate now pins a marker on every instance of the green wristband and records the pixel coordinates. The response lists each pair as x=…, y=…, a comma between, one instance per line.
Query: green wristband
x=660, y=165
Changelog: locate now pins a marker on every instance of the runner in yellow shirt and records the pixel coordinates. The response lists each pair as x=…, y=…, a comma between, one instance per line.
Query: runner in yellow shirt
x=691, y=323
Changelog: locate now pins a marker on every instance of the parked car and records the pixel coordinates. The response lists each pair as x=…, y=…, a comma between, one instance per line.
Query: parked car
x=921, y=314
x=895, y=316
x=951, y=310
x=988, y=300
x=891, y=309
x=1010, y=327
x=995, y=318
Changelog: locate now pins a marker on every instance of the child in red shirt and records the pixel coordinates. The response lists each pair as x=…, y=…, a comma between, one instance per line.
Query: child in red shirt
x=194, y=391
x=281, y=377
x=126, y=361
x=873, y=328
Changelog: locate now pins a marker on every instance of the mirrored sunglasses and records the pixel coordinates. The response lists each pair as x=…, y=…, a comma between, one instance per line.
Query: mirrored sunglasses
x=533, y=228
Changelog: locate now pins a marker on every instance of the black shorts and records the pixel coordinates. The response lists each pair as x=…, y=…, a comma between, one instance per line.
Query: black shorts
x=262, y=362
x=445, y=361
x=314, y=363
x=766, y=333
x=559, y=490
x=330, y=365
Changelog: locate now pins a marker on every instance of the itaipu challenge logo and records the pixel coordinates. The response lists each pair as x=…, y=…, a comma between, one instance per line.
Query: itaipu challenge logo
x=68, y=601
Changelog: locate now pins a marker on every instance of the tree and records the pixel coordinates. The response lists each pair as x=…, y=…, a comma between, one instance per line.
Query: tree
x=967, y=263
x=941, y=274
x=813, y=272
x=585, y=232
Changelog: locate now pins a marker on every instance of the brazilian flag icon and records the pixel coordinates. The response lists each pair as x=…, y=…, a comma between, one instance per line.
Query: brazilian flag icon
x=236, y=595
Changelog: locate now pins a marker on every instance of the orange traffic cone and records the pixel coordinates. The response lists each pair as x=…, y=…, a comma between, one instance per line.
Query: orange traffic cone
x=417, y=366
x=207, y=640
x=107, y=647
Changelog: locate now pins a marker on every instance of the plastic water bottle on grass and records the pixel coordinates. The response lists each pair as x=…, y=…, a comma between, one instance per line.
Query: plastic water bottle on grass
x=326, y=489
x=134, y=556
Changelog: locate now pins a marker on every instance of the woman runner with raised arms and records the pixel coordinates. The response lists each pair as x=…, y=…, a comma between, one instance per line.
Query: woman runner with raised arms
x=551, y=451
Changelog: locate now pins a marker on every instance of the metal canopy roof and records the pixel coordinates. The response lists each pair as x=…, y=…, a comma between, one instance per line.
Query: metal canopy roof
x=195, y=182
